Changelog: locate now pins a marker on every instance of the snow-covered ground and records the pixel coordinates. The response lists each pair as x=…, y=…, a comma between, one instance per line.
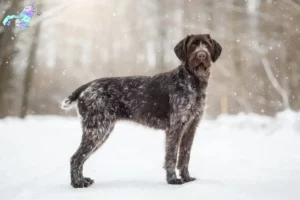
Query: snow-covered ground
x=233, y=157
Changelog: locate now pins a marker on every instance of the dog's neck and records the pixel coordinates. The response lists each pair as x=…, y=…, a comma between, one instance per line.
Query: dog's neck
x=199, y=73
x=198, y=79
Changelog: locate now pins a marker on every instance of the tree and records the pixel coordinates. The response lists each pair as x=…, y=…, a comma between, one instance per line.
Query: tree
x=7, y=42
x=29, y=72
x=161, y=27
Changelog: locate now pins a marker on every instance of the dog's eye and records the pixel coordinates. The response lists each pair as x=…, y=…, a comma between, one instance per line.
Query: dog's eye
x=204, y=43
x=194, y=45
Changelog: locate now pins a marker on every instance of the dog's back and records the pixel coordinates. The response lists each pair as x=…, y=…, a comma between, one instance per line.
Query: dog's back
x=142, y=99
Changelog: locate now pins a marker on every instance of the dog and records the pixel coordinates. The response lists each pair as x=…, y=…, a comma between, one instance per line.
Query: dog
x=173, y=101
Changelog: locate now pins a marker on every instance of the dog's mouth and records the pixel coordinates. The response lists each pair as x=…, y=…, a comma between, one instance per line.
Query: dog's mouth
x=198, y=65
x=202, y=66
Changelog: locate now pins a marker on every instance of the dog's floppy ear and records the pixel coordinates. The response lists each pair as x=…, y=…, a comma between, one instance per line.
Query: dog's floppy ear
x=181, y=49
x=217, y=50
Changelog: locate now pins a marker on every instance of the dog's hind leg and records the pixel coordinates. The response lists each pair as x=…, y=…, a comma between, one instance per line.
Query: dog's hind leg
x=94, y=135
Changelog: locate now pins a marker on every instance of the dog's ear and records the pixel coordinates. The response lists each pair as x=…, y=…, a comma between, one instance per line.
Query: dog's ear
x=217, y=50
x=181, y=49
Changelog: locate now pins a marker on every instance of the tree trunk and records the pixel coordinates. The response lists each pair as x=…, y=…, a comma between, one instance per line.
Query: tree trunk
x=238, y=69
x=160, y=53
x=185, y=17
x=29, y=72
x=7, y=46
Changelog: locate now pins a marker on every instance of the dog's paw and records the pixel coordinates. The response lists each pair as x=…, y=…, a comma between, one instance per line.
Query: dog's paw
x=188, y=179
x=83, y=183
x=175, y=181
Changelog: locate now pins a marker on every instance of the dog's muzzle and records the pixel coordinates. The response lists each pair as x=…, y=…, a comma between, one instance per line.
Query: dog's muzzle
x=200, y=58
x=201, y=55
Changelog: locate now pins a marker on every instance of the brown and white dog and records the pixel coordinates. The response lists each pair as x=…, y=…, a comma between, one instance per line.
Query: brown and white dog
x=173, y=101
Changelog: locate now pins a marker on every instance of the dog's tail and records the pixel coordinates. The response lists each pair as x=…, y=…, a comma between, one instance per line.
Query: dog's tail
x=68, y=102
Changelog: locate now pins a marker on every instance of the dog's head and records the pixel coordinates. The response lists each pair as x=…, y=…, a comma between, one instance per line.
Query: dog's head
x=198, y=51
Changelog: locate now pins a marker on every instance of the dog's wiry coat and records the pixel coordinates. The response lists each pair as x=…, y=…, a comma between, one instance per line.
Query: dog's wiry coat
x=173, y=101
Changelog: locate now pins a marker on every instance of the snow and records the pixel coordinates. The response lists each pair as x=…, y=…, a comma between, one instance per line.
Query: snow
x=233, y=157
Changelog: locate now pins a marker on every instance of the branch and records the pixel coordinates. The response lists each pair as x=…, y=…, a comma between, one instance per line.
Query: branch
x=293, y=4
x=74, y=5
x=239, y=9
x=275, y=83
x=49, y=13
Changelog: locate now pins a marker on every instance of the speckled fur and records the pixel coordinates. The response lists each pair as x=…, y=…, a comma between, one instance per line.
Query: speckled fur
x=173, y=101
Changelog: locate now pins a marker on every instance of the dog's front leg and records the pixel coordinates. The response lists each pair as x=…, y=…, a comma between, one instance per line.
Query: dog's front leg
x=185, y=150
x=173, y=135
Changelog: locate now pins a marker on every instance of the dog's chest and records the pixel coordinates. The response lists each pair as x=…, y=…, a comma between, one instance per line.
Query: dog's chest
x=196, y=100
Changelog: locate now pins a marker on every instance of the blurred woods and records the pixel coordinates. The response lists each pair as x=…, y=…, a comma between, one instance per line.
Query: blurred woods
x=74, y=43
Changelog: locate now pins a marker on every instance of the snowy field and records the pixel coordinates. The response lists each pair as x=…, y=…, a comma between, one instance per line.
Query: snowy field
x=233, y=157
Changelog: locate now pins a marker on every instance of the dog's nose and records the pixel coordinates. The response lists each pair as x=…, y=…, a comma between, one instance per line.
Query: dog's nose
x=201, y=55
